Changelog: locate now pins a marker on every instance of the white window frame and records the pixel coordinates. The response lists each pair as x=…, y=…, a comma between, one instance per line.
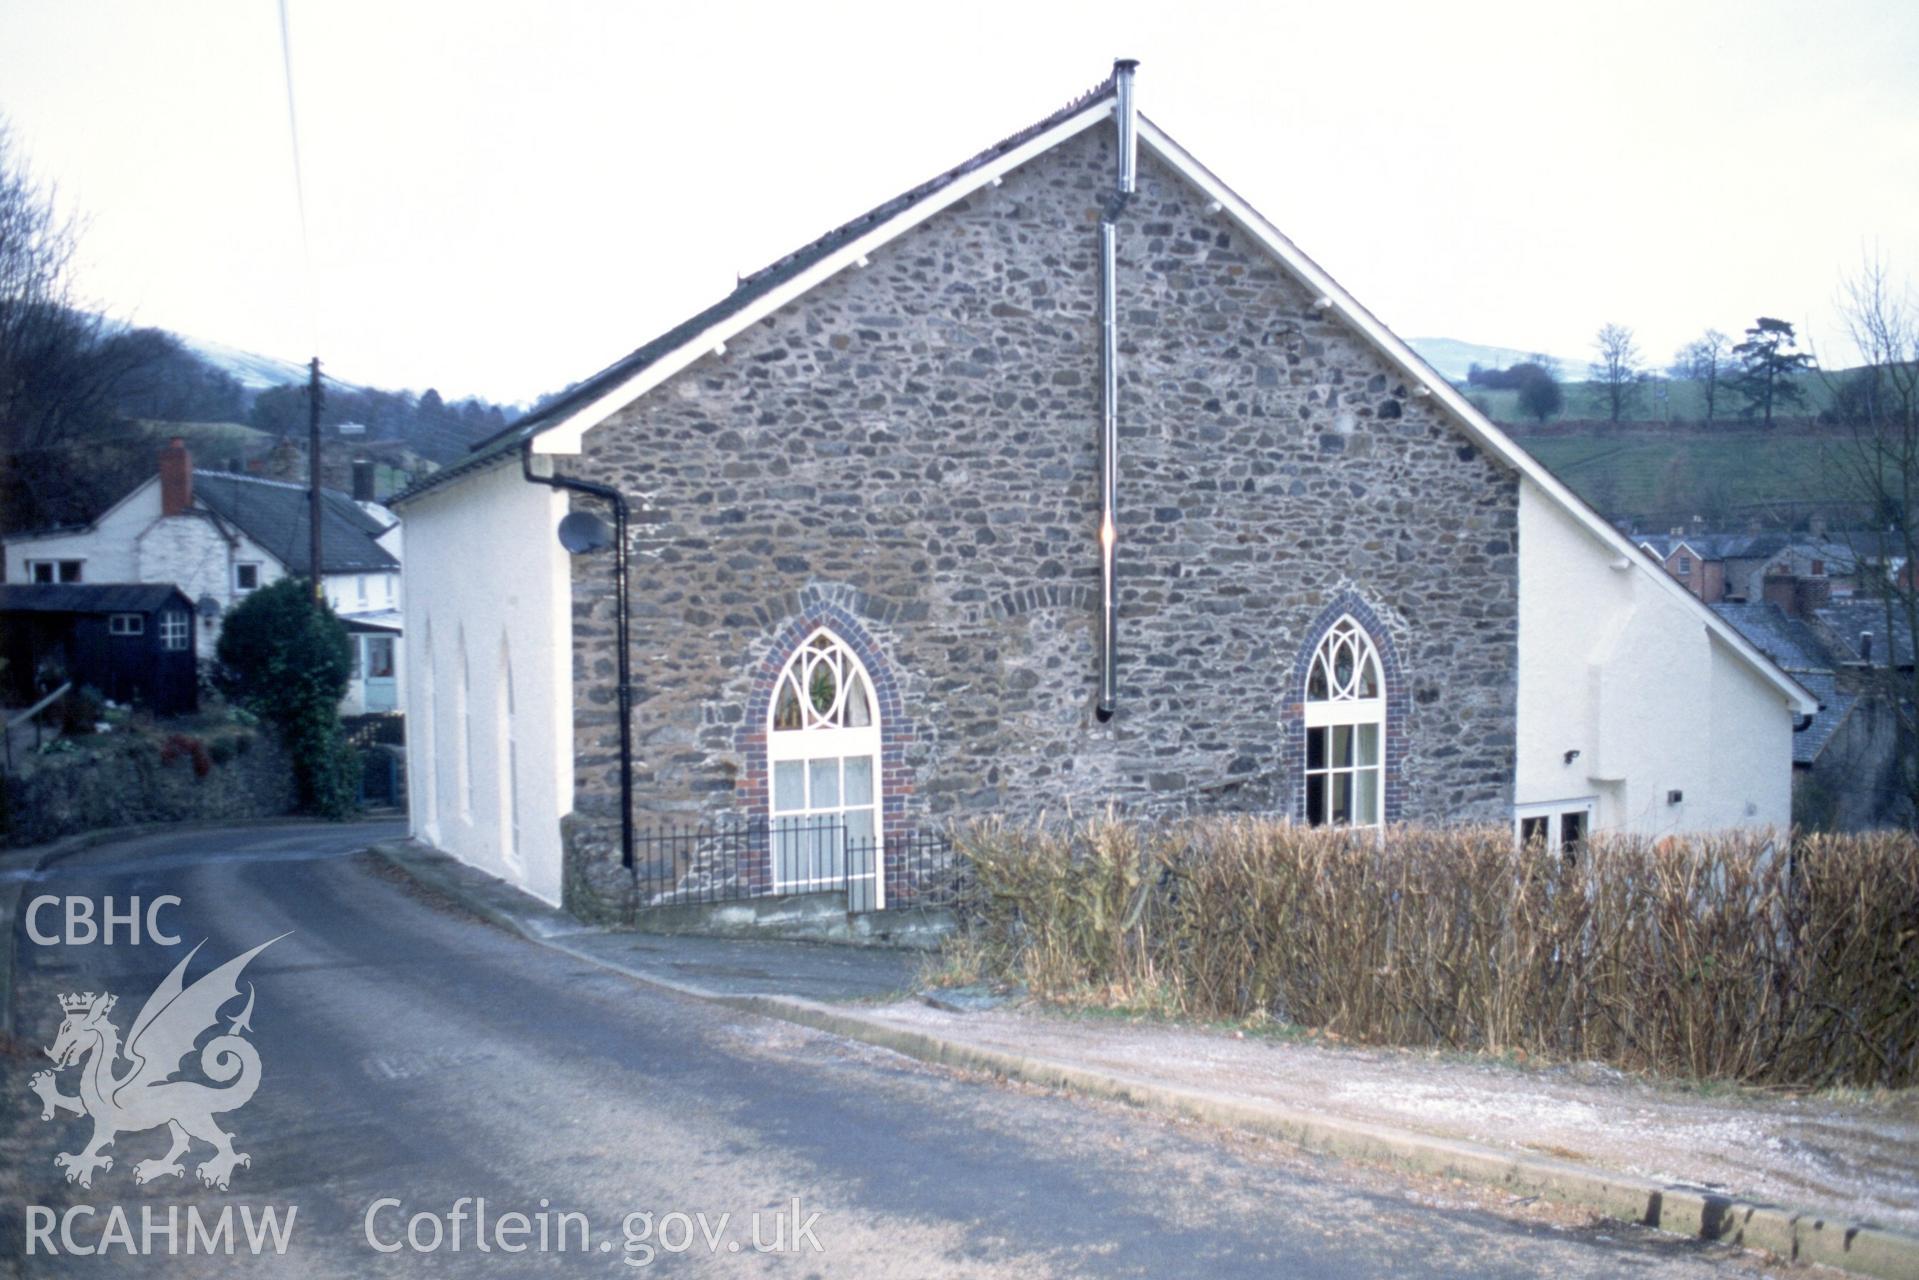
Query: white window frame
x=816, y=741
x=1345, y=707
x=1554, y=813
x=240, y=588
x=126, y=624
x=176, y=630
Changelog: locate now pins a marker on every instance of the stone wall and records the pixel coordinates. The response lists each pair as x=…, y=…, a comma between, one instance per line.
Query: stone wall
x=122, y=779
x=911, y=452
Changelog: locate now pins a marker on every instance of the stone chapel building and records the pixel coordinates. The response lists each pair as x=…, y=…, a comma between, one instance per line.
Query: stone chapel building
x=1064, y=479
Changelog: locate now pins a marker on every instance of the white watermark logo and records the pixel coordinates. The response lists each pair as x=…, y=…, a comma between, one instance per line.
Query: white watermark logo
x=145, y=1095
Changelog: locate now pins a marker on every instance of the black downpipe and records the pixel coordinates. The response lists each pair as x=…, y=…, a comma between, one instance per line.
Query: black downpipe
x=618, y=501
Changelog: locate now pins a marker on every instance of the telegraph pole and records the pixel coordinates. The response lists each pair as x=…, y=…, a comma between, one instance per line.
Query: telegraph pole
x=314, y=397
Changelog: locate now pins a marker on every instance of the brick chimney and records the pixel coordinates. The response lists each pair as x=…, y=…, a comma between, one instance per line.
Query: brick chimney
x=176, y=478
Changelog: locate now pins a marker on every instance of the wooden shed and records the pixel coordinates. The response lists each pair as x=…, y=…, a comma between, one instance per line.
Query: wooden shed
x=131, y=641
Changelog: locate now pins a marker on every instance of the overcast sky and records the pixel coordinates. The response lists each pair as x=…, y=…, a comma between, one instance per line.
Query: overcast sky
x=503, y=197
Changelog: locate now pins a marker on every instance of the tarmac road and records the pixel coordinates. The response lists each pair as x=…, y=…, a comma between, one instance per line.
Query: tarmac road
x=415, y=1060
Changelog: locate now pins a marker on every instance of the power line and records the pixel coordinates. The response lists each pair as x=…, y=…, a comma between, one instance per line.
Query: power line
x=299, y=177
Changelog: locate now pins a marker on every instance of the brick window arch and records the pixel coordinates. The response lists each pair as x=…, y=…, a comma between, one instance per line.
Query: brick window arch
x=1343, y=721
x=811, y=675
x=1345, y=714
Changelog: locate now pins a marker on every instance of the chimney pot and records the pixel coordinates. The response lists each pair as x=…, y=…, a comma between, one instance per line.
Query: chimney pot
x=176, y=478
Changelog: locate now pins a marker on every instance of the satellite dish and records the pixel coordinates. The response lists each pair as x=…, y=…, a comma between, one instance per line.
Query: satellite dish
x=582, y=531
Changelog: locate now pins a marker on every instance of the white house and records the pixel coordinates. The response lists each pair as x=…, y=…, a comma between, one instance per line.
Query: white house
x=1062, y=479
x=219, y=536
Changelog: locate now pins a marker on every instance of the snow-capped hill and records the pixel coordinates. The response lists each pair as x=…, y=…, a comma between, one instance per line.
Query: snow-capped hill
x=250, y=369
x=1454, y=358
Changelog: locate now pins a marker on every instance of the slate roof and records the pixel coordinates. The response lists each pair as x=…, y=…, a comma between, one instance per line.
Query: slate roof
x=1846, y=619
x=89, y=597
x=1834, y=707
x=1717, y=546
x=749, y=289
x=1788, y=641
x=274, y=514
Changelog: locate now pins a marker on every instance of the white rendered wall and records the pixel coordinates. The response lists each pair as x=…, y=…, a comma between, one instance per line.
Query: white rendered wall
x=483, y=564
x=108, y=549
x=1615, y=667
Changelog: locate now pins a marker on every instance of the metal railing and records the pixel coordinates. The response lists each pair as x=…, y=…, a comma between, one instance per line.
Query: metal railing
x=731, y=860
x=33, y=713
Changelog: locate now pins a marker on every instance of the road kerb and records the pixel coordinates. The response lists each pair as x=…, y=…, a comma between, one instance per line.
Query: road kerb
x=1794, y=1235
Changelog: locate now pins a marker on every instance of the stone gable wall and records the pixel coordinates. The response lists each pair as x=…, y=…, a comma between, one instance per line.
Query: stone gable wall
x=916, y=443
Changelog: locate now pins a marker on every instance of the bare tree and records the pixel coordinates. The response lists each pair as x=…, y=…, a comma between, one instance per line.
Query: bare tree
x=1617, y=368
x=1702, y=360
x=61, y=365
x=1878, y=459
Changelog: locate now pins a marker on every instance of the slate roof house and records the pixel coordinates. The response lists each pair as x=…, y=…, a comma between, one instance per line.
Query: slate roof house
x=218, y=536
x=132, y=642
x=1063, y=479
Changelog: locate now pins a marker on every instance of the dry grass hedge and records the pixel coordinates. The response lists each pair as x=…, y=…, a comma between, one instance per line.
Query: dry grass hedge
x=1734, y=956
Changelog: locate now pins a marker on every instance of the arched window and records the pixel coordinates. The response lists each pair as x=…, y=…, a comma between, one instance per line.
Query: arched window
x=429, y=770
x=466, y=735
x=823, y=759
x=1345, y=730
x=508, y=756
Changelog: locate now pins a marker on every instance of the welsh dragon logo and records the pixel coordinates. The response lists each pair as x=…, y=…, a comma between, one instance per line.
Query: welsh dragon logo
x=145, y=1095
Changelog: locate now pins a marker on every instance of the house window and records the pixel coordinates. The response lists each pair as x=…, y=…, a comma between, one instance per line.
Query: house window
x=823, y=756
x=1685, y=566
x=246, y=576
x=379, y=657
x=1562, y=825
x=1345, y=730
x=126, y=624
x=1818, y=568
x=50, y=571
x=175, y=630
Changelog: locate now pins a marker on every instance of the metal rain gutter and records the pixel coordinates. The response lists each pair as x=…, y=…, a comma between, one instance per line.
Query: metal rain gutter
x=1126, y=117
x=620, y=617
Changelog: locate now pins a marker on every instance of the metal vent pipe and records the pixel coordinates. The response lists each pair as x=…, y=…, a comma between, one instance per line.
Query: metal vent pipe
x=1125, y=179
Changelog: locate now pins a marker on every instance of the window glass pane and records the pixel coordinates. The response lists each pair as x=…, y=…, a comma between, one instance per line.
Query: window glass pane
x=786, y=848
x=69, y=571
x=1532, y=829
x=1341, y=785
x=1369, y=680
x=859, y=780
x=1316, y=680
x=1342, y=666
x=825, y=781
x=786, y=712
x=379, y=656
x=789, y=786
x=1366, y=797
x=859, y=824
x=353, y=673
x=1368, y=744
x=859, y=711
x=1572, y=829
x=1316, y=800
x=1315, y=748
x=822, y=686
x=43, y=571
x=1342, y=745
